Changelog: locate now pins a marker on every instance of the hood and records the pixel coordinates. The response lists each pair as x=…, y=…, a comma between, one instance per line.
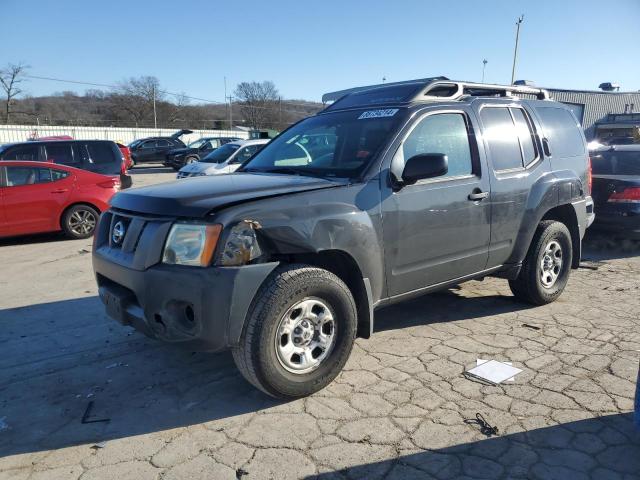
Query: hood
x=196, y=197
x=179, y=133
x=197, y=167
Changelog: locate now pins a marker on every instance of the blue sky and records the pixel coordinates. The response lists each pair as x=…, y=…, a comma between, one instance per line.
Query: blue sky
x=308, y=48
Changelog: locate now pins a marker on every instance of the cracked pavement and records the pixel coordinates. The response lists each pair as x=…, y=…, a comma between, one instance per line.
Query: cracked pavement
x=401, y=409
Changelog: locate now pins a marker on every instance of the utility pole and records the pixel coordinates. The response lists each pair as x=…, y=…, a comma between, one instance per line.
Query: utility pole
x=230, y=98
x=484, y=66
x=155, y=118
x=515, y=52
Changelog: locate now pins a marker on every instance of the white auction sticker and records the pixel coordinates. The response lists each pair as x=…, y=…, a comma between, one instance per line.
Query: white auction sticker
x=388, y=112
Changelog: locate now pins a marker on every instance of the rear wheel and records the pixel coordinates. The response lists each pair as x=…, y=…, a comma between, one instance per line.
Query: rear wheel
x=299, y=332
x=79, y=221
x=546, y=268
x=190, y=160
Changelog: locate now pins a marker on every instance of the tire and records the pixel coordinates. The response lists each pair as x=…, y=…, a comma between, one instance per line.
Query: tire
x=546, y=267
x=190, y=160
x=259, y=355
x=79, y=221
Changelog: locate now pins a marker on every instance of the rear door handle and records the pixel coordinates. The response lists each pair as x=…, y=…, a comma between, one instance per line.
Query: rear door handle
x=478, y=195
x=61, y=190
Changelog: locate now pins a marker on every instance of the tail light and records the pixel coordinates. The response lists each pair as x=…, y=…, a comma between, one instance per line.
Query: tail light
x=111, y=183
x=628, y=195
x=590, y=175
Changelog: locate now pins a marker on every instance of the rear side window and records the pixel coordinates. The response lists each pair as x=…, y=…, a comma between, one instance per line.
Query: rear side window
x=61, y=153
x=525, y=134
x=502, y=137
x=58, y=175
x=100, y=153
x=163, y=143
x=18, y=176
x=100, y=157
x=442, y=133
x=562, y=131
x=22, y=152
x=616, y=163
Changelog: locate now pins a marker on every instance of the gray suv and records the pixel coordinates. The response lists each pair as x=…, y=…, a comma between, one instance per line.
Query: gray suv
x=389, y=193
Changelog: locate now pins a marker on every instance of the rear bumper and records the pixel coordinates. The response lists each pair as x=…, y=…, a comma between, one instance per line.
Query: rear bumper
x=203, y=308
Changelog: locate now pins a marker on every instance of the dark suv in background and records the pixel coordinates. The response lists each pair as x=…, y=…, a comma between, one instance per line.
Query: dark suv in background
x=97, y=156
x=155, y=149
x=193, y=152
x=415, y=187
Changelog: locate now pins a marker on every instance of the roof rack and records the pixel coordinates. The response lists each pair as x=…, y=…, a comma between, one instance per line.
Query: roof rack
x=454, y=90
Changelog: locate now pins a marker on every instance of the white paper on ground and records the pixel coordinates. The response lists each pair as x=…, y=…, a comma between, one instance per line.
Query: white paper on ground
x=494, y=371
x=479, y=361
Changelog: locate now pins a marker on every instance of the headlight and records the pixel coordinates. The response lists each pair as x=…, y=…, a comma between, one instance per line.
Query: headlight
x=191, y=244
x=241, y=245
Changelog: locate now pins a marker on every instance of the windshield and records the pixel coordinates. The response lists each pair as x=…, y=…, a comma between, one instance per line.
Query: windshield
x=134, y=143
x=616, y=163
x=198, y=143
x=334, y=145
x=221, y=154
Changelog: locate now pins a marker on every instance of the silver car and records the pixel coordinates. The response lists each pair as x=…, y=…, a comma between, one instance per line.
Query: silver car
x=225, y=159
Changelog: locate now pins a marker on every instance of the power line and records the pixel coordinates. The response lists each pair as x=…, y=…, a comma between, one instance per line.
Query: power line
x=177, y=95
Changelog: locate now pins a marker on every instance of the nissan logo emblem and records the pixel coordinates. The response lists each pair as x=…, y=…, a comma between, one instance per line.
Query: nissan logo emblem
x=117, y=235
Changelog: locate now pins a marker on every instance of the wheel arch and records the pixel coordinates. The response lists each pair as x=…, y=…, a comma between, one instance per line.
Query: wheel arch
x=345, y=267
x=566, y=214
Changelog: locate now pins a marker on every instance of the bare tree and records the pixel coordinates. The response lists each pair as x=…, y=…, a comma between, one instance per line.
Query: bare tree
x=135, y=98
x=258, y=103
x=10, y=78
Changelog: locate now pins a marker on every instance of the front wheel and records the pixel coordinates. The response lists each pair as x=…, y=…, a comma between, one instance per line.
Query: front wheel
x=79, y=221
x=546, y=267
x=299, y=332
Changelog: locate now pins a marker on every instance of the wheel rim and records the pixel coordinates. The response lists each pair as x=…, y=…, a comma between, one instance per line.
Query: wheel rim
x=305, y=336
x=190, y=160
x=551, y=264
x=82, y=222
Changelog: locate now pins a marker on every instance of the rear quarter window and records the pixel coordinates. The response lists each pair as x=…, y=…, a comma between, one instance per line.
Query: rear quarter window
x=563, y=132
x=21, y=153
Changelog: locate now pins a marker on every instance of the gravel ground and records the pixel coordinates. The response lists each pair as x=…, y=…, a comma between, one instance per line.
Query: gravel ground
x=402, y=408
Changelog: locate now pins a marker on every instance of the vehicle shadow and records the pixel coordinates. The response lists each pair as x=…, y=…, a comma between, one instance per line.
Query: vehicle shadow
x=57, y=357
x=150, y=169
x=444, y=306
x=36, y=238
x=602, y=447
x=599, y=245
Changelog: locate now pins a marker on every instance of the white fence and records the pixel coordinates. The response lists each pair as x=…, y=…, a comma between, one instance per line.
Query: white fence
x=22, y=133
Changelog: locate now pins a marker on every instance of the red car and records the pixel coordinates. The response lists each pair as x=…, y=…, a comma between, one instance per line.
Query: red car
x=37, y=197
x=126, y=153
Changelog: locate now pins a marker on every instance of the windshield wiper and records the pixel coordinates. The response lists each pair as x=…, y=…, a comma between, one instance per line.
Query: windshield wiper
x=285, y=170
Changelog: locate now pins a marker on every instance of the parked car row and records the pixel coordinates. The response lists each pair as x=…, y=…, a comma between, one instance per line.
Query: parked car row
x=58, y=184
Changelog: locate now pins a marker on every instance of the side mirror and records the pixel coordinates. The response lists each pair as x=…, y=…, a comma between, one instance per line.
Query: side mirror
x=425, y=165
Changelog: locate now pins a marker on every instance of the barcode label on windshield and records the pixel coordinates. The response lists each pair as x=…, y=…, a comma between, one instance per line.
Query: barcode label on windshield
x=388, y=112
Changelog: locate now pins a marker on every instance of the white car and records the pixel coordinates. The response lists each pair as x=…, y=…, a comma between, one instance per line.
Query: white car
x=224, y=159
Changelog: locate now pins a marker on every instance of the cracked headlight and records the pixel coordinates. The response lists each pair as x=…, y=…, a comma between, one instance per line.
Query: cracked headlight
x=241, y=245
x=191, y=244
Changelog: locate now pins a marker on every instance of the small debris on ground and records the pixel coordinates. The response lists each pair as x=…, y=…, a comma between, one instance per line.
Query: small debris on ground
x=99, y=445
x=87, y=414
x=493, y=372
x=532, y=327
x=241, y=473
x=485, y=428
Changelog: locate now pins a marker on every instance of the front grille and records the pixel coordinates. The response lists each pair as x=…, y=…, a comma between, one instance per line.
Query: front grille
x=142, y=242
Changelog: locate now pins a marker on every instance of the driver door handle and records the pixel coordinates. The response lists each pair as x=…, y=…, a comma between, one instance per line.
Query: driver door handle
x=60, y=190
x=478, y=195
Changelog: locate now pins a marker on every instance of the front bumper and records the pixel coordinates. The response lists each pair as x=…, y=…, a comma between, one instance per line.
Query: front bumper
x=204, y=308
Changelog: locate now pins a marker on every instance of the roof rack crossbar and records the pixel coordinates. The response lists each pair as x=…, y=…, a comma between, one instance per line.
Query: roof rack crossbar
x=460, y=87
